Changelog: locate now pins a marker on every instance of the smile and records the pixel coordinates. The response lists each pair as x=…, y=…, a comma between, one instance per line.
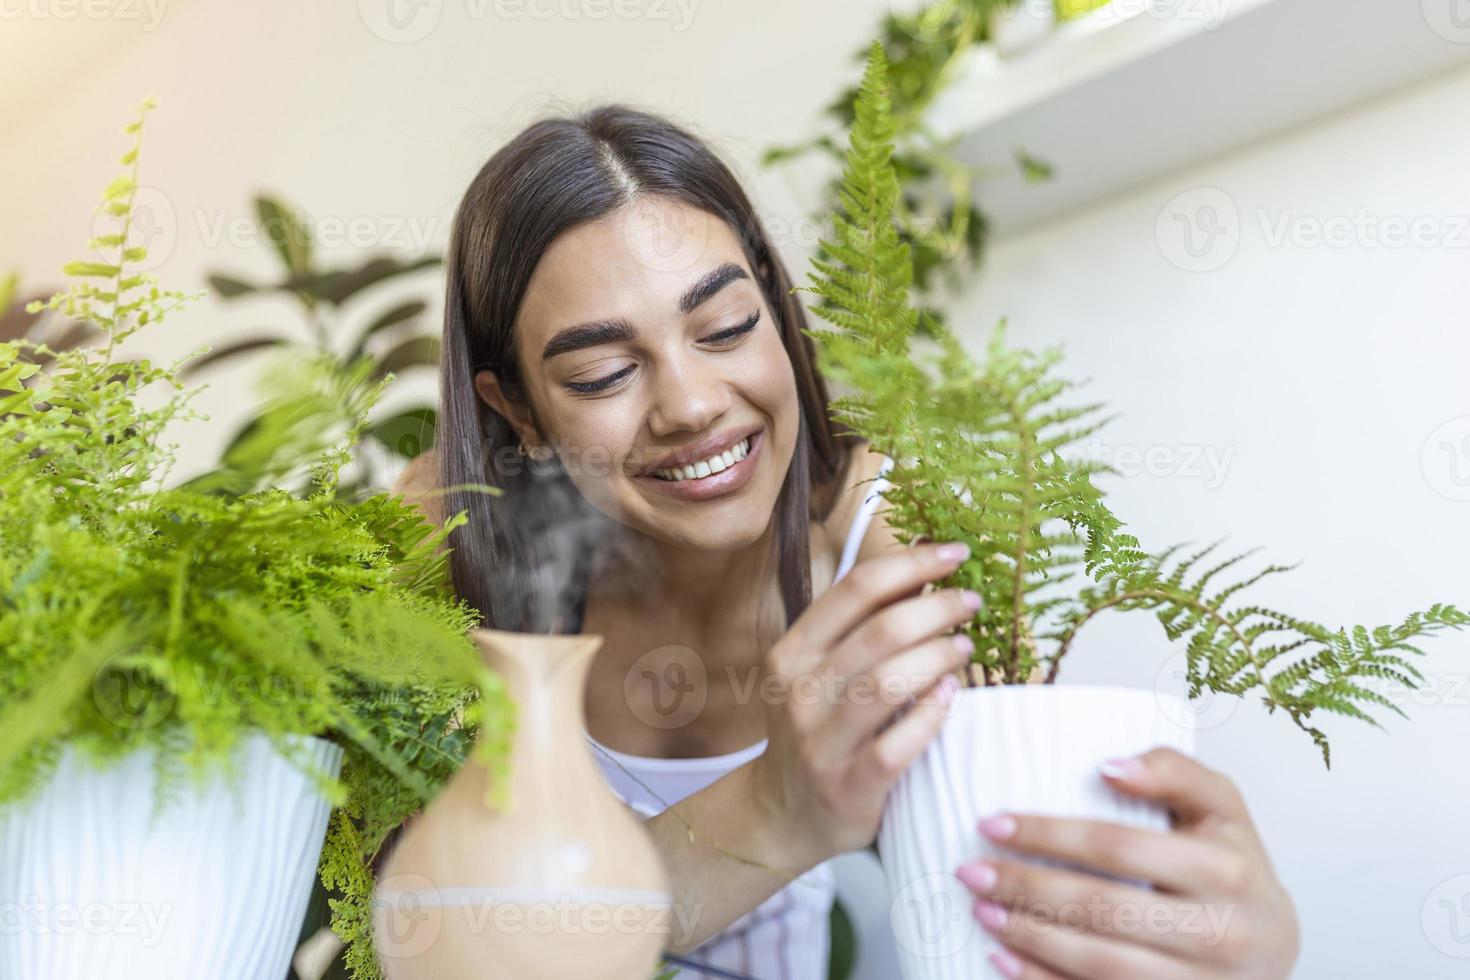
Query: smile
x=717, y=463
x=717, y=475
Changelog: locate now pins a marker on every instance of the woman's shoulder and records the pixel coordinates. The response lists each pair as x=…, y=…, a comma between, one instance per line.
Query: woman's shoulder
x=856, y=483
x=419, y=477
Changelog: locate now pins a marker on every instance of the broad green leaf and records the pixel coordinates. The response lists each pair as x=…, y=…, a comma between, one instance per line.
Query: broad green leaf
x=290, y=238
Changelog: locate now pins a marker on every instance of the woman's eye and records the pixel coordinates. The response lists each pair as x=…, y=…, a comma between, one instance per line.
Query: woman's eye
x=725, y=336
x=592, y=387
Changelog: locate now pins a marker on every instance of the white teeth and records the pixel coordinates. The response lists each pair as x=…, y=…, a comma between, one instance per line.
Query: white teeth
x=715, y=464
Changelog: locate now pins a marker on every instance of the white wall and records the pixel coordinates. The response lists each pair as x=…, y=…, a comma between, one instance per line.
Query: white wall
x=1318, y=374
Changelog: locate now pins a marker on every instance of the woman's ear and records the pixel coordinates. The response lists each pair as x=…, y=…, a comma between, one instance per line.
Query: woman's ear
x=514, y=411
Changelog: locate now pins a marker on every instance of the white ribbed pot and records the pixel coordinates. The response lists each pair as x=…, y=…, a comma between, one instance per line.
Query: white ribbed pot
x=1031, y=748
x=94, y=884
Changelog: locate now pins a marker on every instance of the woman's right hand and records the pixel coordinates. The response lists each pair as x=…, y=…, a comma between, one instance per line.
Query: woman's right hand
x=846, y=667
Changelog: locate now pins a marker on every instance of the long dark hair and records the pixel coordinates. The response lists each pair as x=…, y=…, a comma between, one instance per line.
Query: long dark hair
x=524, y=557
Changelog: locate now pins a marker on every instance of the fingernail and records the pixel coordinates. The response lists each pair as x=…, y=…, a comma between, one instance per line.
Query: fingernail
x=971, y=599
x=963, y=643
x=979, y=875
x=1006, y=962
x=990, y=913
x=1121, y=768
x=998, y=827
x=948, y=685
x=956, y=551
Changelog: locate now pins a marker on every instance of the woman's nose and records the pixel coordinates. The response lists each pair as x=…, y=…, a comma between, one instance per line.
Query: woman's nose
x=689, y=396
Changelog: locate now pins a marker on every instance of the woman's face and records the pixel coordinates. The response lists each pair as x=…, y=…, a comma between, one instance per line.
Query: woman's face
x=645, y=341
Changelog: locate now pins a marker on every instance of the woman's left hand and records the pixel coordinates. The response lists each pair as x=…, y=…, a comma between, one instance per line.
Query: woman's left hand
x=1216, y=910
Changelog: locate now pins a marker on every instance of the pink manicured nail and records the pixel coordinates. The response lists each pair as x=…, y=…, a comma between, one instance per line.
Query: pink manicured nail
x=955, y=551
x=948, y=685
x=979, y=876
x=998, y=827
x=990, y=913
x=1121, y=768
x=1006, y=962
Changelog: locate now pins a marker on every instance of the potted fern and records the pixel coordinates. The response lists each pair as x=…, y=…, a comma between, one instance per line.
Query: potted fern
x=201, y=682
x=982, y=454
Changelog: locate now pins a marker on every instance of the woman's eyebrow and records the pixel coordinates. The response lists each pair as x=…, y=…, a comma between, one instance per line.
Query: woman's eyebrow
x=620, y=331
x=587, y=335
x=709, y=284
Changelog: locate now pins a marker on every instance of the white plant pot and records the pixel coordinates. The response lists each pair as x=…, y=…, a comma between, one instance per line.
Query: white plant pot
x=1015, y=29
x=1027, y=748
x=216, y=886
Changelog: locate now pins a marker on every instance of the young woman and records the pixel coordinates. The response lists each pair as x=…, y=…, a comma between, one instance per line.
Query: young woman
x=623, y=356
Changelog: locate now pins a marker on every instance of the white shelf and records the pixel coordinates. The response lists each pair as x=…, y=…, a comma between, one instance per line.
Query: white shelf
x=1112, y=101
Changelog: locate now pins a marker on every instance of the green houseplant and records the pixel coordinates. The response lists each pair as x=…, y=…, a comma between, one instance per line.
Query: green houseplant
x=981, y=454
x=345, y=320
x=189, y=631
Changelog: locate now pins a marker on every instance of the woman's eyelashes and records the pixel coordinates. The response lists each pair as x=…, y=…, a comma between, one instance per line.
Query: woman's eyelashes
x=723, y=337
x=591, y=387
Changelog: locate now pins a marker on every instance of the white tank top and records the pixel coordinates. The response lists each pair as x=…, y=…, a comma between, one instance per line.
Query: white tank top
x=786, y=937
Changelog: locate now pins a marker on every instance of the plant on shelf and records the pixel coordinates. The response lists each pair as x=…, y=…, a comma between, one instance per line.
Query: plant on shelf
x=394, y=336
x=936, y=210
x=984, y=453
x=135, y=615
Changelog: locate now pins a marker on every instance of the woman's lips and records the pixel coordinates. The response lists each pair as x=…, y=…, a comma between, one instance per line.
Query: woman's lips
x=727, y=481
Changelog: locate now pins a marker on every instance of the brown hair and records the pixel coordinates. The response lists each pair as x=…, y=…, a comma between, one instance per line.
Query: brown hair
x=524, y=556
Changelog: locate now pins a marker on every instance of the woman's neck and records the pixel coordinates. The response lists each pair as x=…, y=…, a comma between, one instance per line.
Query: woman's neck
x=706, y=593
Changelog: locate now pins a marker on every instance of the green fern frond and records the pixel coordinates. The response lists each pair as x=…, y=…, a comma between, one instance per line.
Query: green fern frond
x=988, y=453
